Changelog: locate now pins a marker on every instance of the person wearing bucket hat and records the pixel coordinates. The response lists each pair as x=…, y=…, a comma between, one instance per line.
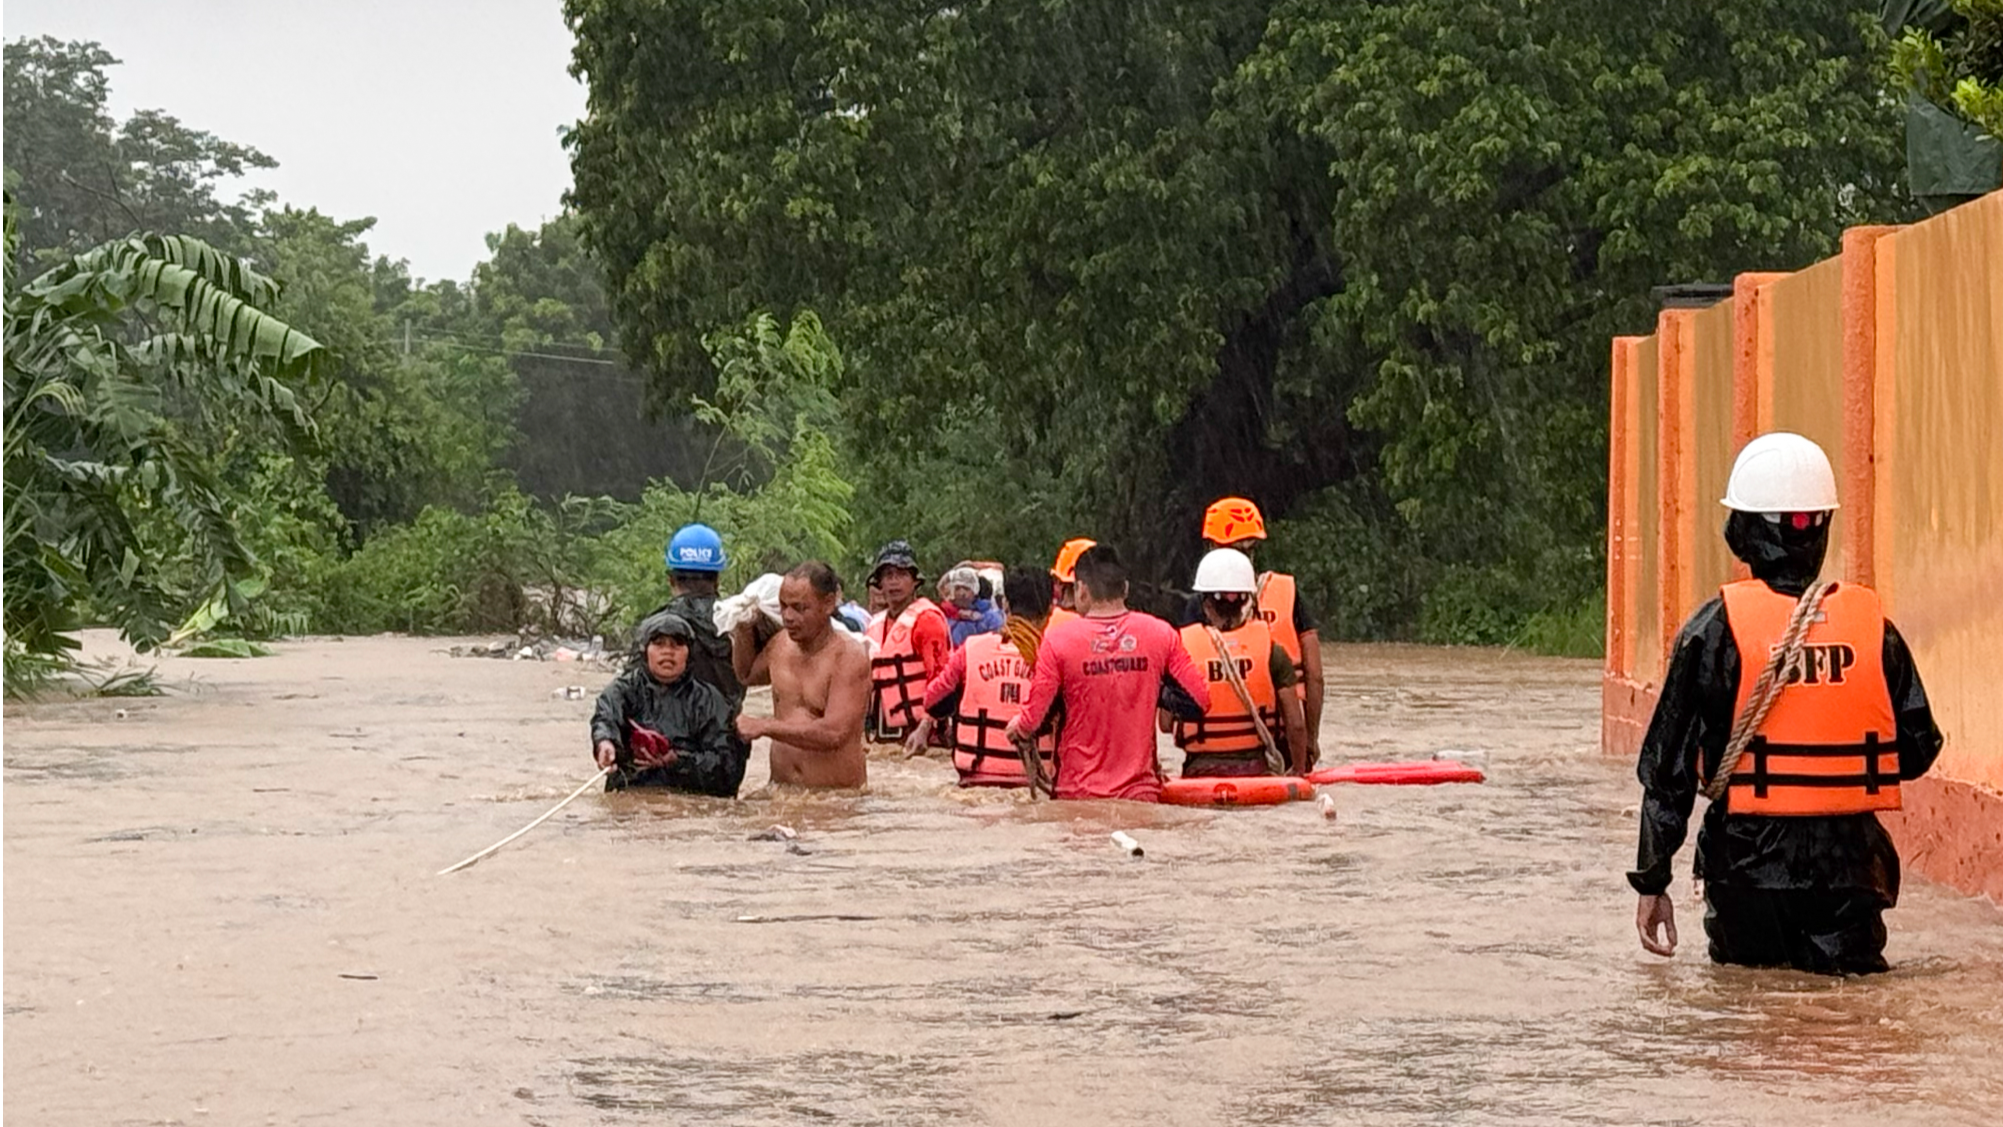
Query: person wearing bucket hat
x=1795, y=706
x=656, y=725
x=910, y=643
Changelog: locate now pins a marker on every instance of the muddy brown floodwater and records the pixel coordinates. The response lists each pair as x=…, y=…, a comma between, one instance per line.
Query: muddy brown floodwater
x=221, y=909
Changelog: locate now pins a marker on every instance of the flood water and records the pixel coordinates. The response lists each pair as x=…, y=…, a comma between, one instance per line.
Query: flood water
x=222, y=909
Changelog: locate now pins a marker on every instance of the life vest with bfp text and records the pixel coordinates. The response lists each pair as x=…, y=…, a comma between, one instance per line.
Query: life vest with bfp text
x=1830, y=743
x=896, y=672
x=996, y=685
x=1226, y=730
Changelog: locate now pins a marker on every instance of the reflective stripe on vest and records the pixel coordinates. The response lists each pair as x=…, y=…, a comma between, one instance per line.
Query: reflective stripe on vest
x=996, y=684
x=1226, y=729
x=896, y=672
x=1830, y=743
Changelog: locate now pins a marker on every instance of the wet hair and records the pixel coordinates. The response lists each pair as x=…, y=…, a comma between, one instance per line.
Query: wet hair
x=818, y=575
x=1101, y=571
x=986, y=589
x=1027, y=590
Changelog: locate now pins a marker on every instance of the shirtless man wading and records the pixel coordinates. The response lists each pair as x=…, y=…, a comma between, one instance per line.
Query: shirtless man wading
x=820, y=685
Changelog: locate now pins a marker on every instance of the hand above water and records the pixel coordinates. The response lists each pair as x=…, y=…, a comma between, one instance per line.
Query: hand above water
x=606, y=753
x=1653, y=912
x=750, y=727
x=914, y=744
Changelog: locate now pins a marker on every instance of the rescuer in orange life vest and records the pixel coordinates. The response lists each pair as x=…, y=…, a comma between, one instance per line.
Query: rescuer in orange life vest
x=1796, y=869
x=1064, y=580
x=1226, y=740
x=1234, y=522
x=983, y=687
x=910, y=644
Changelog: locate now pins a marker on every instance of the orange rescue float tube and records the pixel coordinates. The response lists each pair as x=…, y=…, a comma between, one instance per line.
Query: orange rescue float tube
x=1422, y=772
x=1243, y=790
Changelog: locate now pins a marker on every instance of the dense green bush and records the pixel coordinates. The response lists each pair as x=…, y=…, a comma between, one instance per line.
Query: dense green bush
x=1350, y=554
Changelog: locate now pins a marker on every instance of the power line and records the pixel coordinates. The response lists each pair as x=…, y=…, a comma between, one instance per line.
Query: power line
x=517, y=352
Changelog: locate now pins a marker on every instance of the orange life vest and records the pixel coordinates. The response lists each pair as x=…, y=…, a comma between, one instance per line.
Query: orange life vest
x=1275, y=603
x=996, y=685
x=1226, y=730
x=1830, y=743
x=1060, y=614
x=896, y=672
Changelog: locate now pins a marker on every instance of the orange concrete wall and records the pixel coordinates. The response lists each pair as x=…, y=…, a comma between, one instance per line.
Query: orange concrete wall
x=1801, y=372
x=1940, y=470
x=1713, y=449
x=1890, y=356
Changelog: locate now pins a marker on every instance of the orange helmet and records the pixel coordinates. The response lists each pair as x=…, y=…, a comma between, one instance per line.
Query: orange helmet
x=1066, y=567
x=1233, y=519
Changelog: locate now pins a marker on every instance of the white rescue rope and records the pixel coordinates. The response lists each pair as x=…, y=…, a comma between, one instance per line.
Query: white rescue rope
x=602, y=772
x=1767, y=690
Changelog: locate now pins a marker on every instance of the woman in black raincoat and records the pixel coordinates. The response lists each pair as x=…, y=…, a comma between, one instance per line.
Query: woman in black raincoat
x=659, y=726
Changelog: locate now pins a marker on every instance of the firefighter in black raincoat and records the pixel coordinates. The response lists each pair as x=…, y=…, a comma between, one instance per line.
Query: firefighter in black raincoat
x=1796, y=869
x=657, y=725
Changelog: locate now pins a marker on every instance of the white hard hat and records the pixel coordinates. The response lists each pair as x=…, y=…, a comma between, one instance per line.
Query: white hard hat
x=1226, y=571
x=1781, y=473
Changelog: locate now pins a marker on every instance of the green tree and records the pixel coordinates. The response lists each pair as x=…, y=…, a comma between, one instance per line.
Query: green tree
x=1097, y=264
x=399, y=429
x=541, y=287
x=81, y=178
x=112, y=359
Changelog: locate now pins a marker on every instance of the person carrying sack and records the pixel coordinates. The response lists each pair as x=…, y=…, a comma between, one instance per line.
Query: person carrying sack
x=1794, y=705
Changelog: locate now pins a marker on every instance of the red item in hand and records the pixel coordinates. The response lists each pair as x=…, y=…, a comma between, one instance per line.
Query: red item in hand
x=650, y=748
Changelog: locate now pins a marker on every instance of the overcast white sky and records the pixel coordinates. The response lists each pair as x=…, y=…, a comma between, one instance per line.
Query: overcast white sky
x=438, y=117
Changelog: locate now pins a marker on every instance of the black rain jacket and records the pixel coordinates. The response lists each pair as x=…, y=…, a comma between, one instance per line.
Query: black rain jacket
x=709, y=654
x=1693, y=719
x=695, y=718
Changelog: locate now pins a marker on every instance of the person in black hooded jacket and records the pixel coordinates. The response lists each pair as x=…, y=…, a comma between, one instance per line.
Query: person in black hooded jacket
x=657, y=725
x=1806, y=891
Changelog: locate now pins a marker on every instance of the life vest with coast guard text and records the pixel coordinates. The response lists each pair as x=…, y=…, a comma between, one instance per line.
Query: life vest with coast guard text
x=1829, y=745
x=996, y=685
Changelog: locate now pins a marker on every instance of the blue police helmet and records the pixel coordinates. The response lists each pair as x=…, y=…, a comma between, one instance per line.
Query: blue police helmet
x=696, y=547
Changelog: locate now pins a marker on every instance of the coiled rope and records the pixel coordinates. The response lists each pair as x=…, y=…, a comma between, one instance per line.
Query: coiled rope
x=1768, y=688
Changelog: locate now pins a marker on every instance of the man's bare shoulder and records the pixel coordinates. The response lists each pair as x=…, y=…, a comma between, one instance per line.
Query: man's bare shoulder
x=855, y=652
x=846, y=651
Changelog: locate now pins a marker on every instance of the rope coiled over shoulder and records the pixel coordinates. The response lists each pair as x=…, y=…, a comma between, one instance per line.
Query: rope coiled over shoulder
x=1768, y=688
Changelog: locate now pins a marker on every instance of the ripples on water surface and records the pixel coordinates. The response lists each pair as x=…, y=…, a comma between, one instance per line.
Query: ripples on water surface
x=178, y=916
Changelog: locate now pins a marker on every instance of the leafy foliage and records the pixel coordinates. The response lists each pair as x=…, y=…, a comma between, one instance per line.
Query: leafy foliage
x=115, y=360
x=1958, y=65
x=84, y=178
x=584, y=566
x=1095, y=265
